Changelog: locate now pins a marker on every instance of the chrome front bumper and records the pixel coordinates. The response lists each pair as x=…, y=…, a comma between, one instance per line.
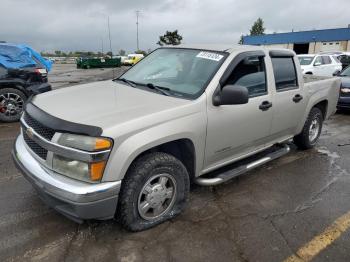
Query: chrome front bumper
x=74, y=199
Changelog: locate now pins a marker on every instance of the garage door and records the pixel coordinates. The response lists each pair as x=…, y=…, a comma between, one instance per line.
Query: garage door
x=330, y=46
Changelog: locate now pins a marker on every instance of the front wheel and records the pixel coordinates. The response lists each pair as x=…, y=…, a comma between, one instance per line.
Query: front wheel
x=311, y=130
x=154, y=190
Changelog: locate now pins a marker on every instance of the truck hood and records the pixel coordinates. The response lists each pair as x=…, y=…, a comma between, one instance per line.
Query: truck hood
x=108, y=104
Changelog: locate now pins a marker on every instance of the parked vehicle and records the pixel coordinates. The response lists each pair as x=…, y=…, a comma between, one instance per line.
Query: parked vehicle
x=132, y=59
x=342, y=57
x=23, y=72
x=130, y=147
x=344, y=98
x=319, y=65
x=86, y=63
x=344, y=60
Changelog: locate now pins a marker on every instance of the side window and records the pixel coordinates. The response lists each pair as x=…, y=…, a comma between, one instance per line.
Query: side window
x=250, y=72
x=318, y=61
x=3, y=71
x=326, y=60
x=285, y=73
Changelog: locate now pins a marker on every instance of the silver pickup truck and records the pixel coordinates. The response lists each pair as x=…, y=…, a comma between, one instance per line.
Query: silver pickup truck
x=130, y=147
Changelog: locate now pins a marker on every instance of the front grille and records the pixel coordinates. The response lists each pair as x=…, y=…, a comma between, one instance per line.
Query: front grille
x=37, y=149
x=344, y=94
x=42, y=130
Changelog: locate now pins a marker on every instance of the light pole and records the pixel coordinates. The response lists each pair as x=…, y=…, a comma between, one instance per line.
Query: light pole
x=110, y=41
x=102, y=45
x=137, y=29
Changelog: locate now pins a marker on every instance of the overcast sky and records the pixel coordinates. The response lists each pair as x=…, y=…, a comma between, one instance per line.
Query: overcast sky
x=71, y=25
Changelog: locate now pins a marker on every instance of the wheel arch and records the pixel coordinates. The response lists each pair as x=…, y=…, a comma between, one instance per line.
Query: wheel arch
x=183, y=149
x=323, y=106
x=320, y=103
x=15, y=85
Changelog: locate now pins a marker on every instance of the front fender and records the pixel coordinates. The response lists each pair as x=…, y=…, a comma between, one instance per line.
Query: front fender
x=192, y=127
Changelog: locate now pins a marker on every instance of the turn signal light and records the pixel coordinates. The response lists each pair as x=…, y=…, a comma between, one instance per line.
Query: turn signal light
x=101, y=144
x=96, y=170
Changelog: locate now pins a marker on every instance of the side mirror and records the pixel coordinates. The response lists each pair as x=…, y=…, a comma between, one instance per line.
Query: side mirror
x=317, y=64
x=231, y=95
x=336, y=73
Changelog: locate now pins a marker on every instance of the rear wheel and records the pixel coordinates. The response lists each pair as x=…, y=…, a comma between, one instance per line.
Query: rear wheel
x=11, y=104
x=311, y=130
x=154, y=190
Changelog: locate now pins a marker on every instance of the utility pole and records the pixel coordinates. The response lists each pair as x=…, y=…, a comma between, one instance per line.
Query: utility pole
x=109, y=35
x=137, y=29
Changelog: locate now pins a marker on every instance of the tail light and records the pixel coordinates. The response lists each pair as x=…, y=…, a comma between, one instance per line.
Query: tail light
x=41, y=71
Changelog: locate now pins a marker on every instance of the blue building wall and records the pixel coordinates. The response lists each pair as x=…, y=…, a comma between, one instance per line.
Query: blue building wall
x=326, y=35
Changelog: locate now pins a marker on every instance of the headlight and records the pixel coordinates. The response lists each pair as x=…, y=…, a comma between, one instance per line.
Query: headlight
x=80, y=170
x=345, y=90
x=85, y=143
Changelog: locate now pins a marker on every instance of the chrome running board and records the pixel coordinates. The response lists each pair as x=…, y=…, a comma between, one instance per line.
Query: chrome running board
x=216, y=177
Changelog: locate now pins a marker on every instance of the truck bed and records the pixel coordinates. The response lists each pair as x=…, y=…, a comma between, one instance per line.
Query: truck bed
x=319, y=86
x=313, y=78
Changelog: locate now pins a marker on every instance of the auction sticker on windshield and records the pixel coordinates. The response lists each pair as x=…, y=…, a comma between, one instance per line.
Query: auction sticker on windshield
x=210, y=55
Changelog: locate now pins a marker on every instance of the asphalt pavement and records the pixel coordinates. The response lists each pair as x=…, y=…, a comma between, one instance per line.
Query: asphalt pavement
x=296, y=208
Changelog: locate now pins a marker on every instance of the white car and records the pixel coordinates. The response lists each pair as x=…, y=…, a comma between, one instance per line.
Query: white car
x=320, y=65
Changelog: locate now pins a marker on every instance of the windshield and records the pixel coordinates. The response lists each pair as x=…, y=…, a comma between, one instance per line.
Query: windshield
x=346, y=72
x=183, y=72
x=305, y=60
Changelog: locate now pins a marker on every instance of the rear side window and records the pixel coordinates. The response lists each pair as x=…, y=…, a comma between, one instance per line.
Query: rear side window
x=3, y=71
x=336, y=59
x=326, y=60
x=285, y=73
x=250, y=73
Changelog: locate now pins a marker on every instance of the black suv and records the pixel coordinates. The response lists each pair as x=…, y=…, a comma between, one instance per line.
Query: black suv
x=16, y=85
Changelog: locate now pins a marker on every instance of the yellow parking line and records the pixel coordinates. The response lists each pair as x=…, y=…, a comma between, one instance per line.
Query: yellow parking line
x=320, y=242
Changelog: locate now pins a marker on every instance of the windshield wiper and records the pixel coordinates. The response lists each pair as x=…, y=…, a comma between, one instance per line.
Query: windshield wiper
x=129, y=82
x=160, y=89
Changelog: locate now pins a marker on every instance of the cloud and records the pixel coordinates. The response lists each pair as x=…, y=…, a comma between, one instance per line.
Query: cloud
x=82, y=24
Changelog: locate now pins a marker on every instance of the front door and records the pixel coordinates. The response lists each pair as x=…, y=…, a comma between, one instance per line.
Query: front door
x=236, y=130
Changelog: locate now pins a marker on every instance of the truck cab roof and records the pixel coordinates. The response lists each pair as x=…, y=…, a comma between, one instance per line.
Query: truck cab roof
x=225, y=48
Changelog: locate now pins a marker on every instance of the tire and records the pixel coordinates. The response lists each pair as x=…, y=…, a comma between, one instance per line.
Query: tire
x=152, y=168
x=11, y=104
x=306, y=139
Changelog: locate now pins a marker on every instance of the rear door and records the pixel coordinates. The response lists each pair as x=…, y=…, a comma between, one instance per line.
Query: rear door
x=235, y=130
x=289, y=99
x=328, y=66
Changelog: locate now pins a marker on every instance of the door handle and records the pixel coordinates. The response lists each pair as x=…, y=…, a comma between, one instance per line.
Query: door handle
x=297, y=98
x=265, y=105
